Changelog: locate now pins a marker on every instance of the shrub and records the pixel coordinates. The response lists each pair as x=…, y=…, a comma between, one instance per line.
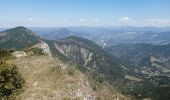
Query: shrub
x=95, y=81
x=11, y=81
x=70, y=71
x=37, y=51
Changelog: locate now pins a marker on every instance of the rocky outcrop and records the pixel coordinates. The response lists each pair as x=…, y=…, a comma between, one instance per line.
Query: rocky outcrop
x=19, y=54
x=44, y=47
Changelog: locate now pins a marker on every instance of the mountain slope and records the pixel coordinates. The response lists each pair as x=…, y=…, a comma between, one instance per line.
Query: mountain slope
x=52, y=79
x=149, y=61
x=18, y=38
x=92, y=59
x=139, y=53
x=89, y=56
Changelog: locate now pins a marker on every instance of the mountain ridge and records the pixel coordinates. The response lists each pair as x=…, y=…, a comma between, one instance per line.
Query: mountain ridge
x=89, y=55
x=18, y=38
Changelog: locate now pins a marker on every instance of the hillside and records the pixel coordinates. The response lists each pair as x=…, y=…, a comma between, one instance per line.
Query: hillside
x=153, y=60
x=48, y=78
x=89, y=56
x=150, y=61
x=17, y=38
x=139, y=54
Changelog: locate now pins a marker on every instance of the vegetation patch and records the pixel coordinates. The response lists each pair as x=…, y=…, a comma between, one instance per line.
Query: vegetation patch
x=95, y=81
x=11, y=81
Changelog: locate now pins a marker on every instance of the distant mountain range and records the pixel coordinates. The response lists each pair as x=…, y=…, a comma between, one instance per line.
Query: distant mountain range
x=106, y=36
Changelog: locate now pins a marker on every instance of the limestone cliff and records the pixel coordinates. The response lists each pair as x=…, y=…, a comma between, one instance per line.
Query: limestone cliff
x=75, y=52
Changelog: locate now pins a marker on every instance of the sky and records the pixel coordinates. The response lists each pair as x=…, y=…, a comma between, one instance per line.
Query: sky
x=59, y=13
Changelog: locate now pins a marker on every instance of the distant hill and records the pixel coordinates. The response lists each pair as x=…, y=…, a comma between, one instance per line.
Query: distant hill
x=139, y=54
x=18, y=38
x=150, y=61
x=58, y=33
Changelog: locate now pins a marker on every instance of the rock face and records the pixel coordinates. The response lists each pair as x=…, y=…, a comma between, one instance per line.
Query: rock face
x=19, y=54
x=90, y=56
x=78, y=53
x=44, y=47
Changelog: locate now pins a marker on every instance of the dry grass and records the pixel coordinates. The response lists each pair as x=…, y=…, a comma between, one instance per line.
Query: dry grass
x=43, y=82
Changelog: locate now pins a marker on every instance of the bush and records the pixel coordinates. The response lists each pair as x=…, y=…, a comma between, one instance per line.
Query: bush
x=11, y=81
x=37, y=51
x=57, y=69
x=70, y=71
x=95, y=81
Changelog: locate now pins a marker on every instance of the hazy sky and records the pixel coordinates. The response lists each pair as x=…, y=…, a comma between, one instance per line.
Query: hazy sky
x=47, y=13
